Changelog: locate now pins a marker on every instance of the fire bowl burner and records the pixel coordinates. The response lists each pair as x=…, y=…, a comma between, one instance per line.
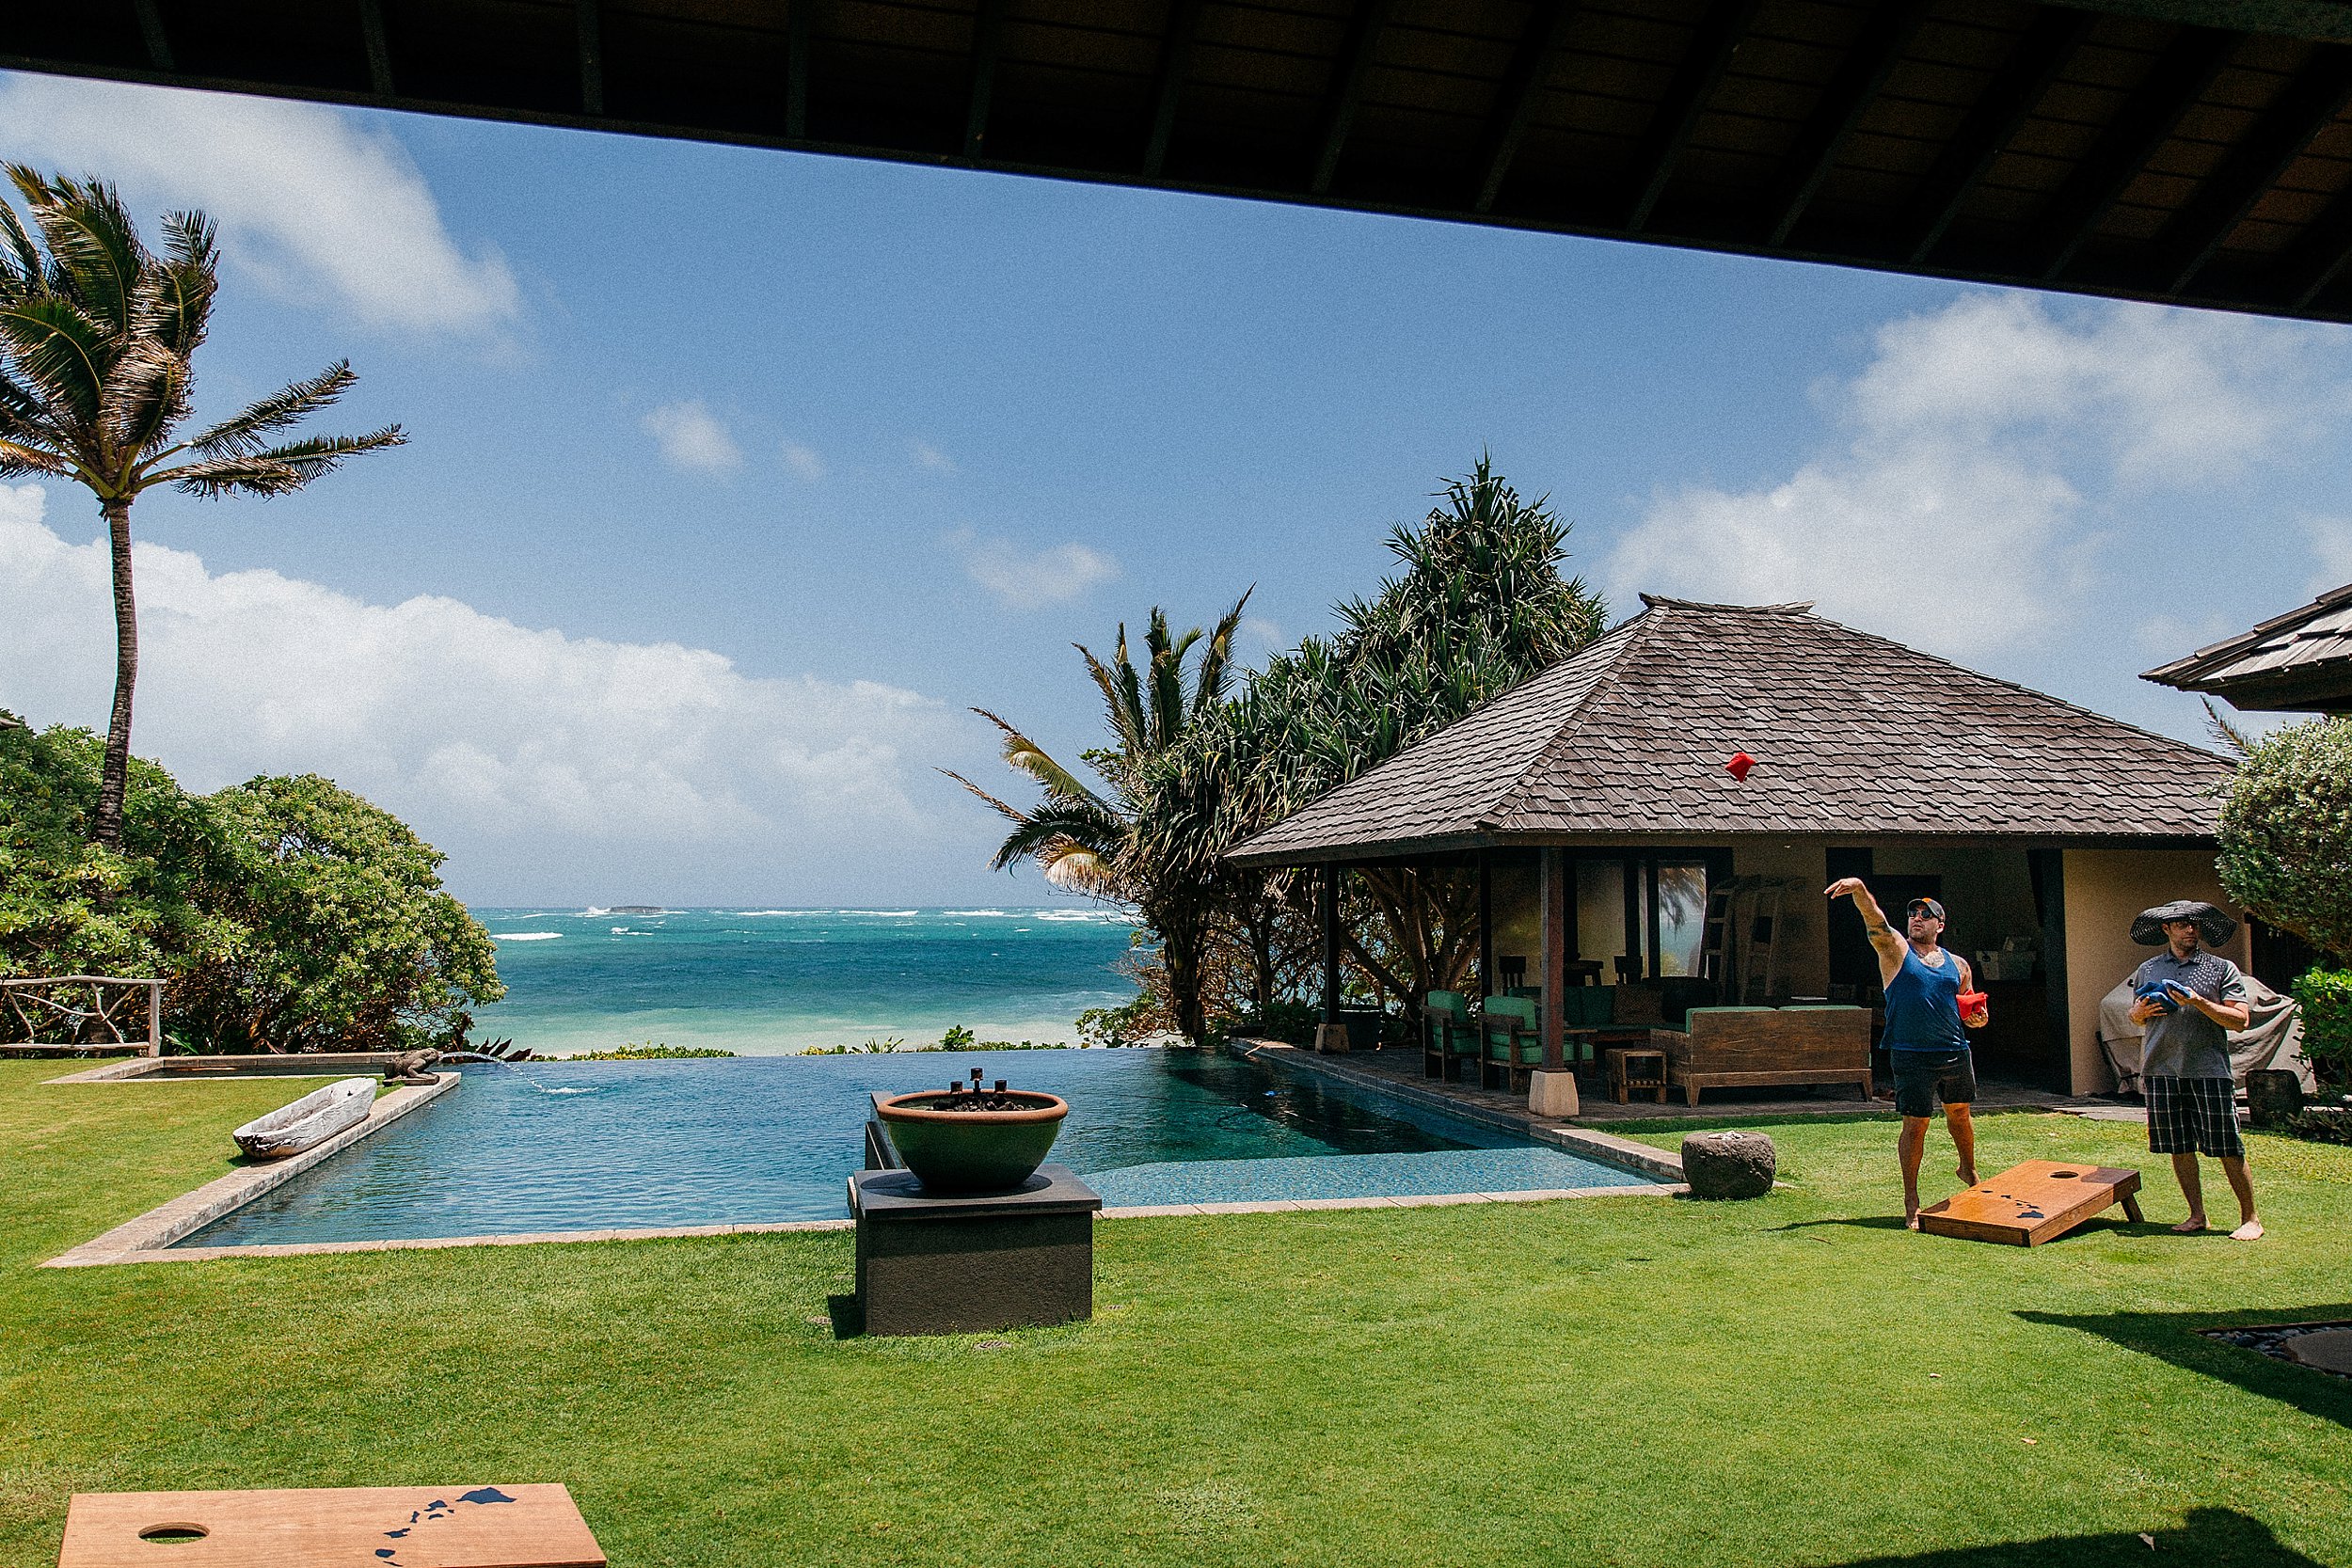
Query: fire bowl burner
x=967, y=1139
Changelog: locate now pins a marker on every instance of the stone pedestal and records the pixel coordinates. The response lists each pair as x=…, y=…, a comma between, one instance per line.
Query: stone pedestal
x=966, y=1265
x=1552, y=1094
x=1331, y=1037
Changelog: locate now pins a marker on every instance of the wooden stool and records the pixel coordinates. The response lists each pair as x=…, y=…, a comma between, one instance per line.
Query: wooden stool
x=1632, y=1068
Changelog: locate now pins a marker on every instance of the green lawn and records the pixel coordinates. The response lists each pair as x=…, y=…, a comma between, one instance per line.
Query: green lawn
x=1621, y=1380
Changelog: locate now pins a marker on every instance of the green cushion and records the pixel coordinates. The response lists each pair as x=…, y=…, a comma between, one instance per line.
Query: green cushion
x=1511, y=1006
x=1697, y=1011
x=1448, y=1003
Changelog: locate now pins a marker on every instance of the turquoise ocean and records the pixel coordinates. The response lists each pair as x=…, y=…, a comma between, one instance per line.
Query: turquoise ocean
x=775, y=982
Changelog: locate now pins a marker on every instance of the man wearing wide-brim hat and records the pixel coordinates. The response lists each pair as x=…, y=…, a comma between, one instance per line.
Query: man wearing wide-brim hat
x=2187, y=1000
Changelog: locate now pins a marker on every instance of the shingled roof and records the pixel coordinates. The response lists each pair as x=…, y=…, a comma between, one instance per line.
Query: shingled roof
x=1850, y=734
x=2301, y=662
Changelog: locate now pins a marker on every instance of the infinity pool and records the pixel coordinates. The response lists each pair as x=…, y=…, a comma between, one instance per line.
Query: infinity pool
x=587, y=1146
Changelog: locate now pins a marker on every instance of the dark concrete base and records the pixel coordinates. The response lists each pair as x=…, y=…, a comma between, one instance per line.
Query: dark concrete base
x=966, y=1265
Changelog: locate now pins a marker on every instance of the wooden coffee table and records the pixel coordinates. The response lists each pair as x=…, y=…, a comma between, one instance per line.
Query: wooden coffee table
x=358, y=1526
x=2026, y=1205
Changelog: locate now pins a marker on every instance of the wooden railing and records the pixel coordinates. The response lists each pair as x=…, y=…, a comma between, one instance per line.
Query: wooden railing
x=82, y=1012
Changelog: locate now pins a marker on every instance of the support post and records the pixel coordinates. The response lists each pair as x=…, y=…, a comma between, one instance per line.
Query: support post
x=1554, y=887
x=1330, y=913
x=1485, y=922
x=154, y=1018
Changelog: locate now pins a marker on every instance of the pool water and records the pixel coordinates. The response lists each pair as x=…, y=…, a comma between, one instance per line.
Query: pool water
x=581, y=1146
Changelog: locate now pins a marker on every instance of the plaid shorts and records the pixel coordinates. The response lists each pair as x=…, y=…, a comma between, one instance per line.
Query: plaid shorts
x=2196, y=1115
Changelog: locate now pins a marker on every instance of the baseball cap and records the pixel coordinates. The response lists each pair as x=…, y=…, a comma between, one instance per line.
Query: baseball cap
x=1929, y=905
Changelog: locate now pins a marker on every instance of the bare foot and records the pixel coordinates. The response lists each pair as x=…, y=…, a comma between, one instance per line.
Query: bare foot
x=2191, y=1225
x=2251, y=1232
x=1967, y=1174
x=1911, y=1221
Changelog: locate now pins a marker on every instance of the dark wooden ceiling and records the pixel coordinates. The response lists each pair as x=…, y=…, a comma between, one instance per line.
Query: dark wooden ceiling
x=2146, y=149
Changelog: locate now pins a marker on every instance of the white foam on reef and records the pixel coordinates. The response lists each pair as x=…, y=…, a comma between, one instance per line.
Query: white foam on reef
x=975, y=914
x=592, y=913
x=524, y=936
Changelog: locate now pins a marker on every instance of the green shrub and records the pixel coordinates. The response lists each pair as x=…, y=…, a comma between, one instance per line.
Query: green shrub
x=957, y=1038
x=287, y=913
x=2286, y=832
x=1291, y=1023
x=2325, y=995
x=2319, y=1126
x=648, y=1054
x=1130, y=1024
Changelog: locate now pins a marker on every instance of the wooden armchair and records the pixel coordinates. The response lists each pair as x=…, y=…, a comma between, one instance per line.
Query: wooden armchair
x=1514, y=1041
x=1448, y=1036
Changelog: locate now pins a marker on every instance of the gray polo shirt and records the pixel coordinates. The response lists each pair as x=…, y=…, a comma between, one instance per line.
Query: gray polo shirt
x=2187, y=1044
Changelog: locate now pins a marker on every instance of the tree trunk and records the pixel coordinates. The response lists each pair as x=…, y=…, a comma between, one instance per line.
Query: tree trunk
x=107, y=825
x=1180, y=952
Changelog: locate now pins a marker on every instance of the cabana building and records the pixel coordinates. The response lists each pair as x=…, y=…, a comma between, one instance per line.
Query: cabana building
x=1617, y=837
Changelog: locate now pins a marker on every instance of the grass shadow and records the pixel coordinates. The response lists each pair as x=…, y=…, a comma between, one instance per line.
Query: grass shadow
x=2174, y=1336
x=1863, y=1222
x=847, y=1321
x=2210, y=1537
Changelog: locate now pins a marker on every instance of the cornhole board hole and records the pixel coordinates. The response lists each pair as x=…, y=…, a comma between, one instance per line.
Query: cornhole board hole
x=358, y=1527
x=2026, y=1205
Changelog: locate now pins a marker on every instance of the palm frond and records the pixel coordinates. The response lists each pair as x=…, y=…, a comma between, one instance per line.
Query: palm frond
x=92, y=240
x=145, y=396
x=241, y=435
x=2232, y=736
x=1026, y=757
x=19, y=460
x=278, y=470
x=1012, y=814
x=1114, y=686
x=54, y=344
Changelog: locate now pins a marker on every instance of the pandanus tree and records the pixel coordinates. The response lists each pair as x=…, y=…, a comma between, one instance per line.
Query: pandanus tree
x=1481, y=604
x=1083, y=839
x=98, y=339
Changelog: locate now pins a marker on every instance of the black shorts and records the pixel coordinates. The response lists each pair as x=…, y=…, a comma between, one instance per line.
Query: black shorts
x=1926, y=1079
x=2193, y=1116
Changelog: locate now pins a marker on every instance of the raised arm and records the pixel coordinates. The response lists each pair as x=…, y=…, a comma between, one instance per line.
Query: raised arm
x=1884, y=941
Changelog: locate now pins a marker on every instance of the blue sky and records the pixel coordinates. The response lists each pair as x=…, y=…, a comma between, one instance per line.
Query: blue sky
x=735, y=476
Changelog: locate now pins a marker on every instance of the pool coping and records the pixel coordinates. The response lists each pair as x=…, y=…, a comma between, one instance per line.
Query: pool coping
x=138, y=1240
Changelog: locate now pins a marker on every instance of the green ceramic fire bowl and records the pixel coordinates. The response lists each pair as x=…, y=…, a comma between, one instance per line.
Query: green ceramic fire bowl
x=986, y=1150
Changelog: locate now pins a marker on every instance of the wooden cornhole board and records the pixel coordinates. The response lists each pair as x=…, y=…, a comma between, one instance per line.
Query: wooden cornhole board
x=2026, y=1205
x=358, y=1527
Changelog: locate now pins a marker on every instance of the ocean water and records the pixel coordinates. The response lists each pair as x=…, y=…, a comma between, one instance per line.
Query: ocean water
x=776, y=982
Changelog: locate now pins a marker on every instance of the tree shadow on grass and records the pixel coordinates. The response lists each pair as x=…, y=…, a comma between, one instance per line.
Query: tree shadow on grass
x=2210, y=1537
x=2174, y=1336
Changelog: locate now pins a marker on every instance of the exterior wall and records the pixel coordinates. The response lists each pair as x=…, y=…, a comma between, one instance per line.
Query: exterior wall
x=2104, y=889
x=1988, y=890
x=1804, y=922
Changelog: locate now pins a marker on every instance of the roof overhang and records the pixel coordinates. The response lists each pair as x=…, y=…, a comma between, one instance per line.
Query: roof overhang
x=1433, y=848
x=2190, y=151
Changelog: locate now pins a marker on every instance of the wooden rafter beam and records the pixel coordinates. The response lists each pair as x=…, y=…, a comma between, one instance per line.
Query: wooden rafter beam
x=2314, y=96
x=800, y=28
x=1703, y=67
x=988, y=30
x=151, y=15
x=1348, y=90
x=588, y=30
x=1184, y=23
x=1992, y=124
x=1547, y=33
x=2147, y=120
x=2318, y=257
x=378, y=47
x=1886, y=35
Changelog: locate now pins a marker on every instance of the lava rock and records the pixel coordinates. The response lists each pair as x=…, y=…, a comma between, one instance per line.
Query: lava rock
x=1729, y=1164
x=2272, y=1096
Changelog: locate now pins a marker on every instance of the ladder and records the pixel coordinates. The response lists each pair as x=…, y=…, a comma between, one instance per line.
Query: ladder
x=1759, y=956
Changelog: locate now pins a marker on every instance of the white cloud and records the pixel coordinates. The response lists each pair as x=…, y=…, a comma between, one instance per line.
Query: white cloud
x=312, y=201
x=804, y=462
x=2332, y=544
x=931, y=457
x=1983, y=442
x=537, y=759
x=1026, y=578
x=691, y=436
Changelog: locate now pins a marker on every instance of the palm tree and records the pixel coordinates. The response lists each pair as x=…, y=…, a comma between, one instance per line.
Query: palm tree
x=96, y=339
x=1084, y=838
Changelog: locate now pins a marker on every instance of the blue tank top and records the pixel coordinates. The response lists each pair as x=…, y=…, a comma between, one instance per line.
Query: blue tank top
x=1923, y=1007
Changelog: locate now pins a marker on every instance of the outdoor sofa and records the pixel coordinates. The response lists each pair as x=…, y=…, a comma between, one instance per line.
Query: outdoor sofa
x=1745, y=1047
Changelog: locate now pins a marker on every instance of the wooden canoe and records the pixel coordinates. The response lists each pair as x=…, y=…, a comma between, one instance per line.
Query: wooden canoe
x=309, y=1121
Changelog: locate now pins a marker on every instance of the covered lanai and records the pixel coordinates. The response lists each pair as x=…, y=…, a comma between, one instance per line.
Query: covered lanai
x=1613, y=841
